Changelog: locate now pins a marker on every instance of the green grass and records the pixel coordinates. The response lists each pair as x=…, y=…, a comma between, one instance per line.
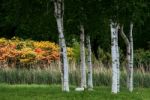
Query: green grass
x=53, y=92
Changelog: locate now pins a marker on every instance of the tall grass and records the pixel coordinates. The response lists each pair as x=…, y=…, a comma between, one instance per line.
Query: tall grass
x=51, y=75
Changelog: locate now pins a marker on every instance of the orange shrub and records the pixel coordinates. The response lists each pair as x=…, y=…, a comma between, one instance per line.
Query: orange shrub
x=29, y=51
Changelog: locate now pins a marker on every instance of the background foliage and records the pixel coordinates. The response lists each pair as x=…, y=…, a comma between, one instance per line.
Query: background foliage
x=35, y=20
x=36, y=49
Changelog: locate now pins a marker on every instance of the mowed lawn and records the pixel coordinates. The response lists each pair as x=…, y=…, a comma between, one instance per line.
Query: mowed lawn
x=53, y=92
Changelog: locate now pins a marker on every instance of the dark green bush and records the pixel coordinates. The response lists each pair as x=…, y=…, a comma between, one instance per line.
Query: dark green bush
x=142, y=59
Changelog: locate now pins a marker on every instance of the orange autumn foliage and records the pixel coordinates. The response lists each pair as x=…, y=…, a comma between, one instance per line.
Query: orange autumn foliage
x=28, y=51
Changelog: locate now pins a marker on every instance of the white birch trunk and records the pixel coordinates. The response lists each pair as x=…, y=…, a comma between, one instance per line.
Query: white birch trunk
x=118, y=61
x=82, y=58
x=59, y=9
x=90, y=77
x=114, y=58
x=128, y=57
x=131, y=59
x=128, y=53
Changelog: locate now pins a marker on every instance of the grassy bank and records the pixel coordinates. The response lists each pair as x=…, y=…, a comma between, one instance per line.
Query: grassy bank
x=53, y=92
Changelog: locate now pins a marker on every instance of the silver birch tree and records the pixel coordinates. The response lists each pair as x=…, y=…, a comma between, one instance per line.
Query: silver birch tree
x=115, y=56
x=82, y=58
x=131, y=59
x=128, y=52
x=59, y=12
x=90, y=77
x=118, y=61
x=129, y=56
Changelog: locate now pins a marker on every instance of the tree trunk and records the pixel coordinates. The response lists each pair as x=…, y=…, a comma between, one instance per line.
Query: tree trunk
x=118, y=61
x=129, y=57
x=59, y=10
x=82, y=57
x=128, y=53
x=90, y=77
x=131, y=60
x=115, y=55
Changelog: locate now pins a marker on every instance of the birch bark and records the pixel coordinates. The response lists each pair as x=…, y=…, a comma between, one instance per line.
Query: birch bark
x=131, y=59
x=59, y=11
x=129, y=56
x=128, y=53
x=118, y=61
x=90, y=77
x=114, y=54
x=82, y=58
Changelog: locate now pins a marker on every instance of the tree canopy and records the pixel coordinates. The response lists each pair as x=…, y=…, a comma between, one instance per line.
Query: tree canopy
x=35, y=20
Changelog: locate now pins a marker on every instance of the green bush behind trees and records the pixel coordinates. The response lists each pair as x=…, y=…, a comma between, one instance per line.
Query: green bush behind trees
x=35, y=20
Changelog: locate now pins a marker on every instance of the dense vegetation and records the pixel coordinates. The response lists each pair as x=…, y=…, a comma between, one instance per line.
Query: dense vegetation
x=34, y=62
x=35, y=20
x=20, y=53
x=51, y=75
x=40, y=43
